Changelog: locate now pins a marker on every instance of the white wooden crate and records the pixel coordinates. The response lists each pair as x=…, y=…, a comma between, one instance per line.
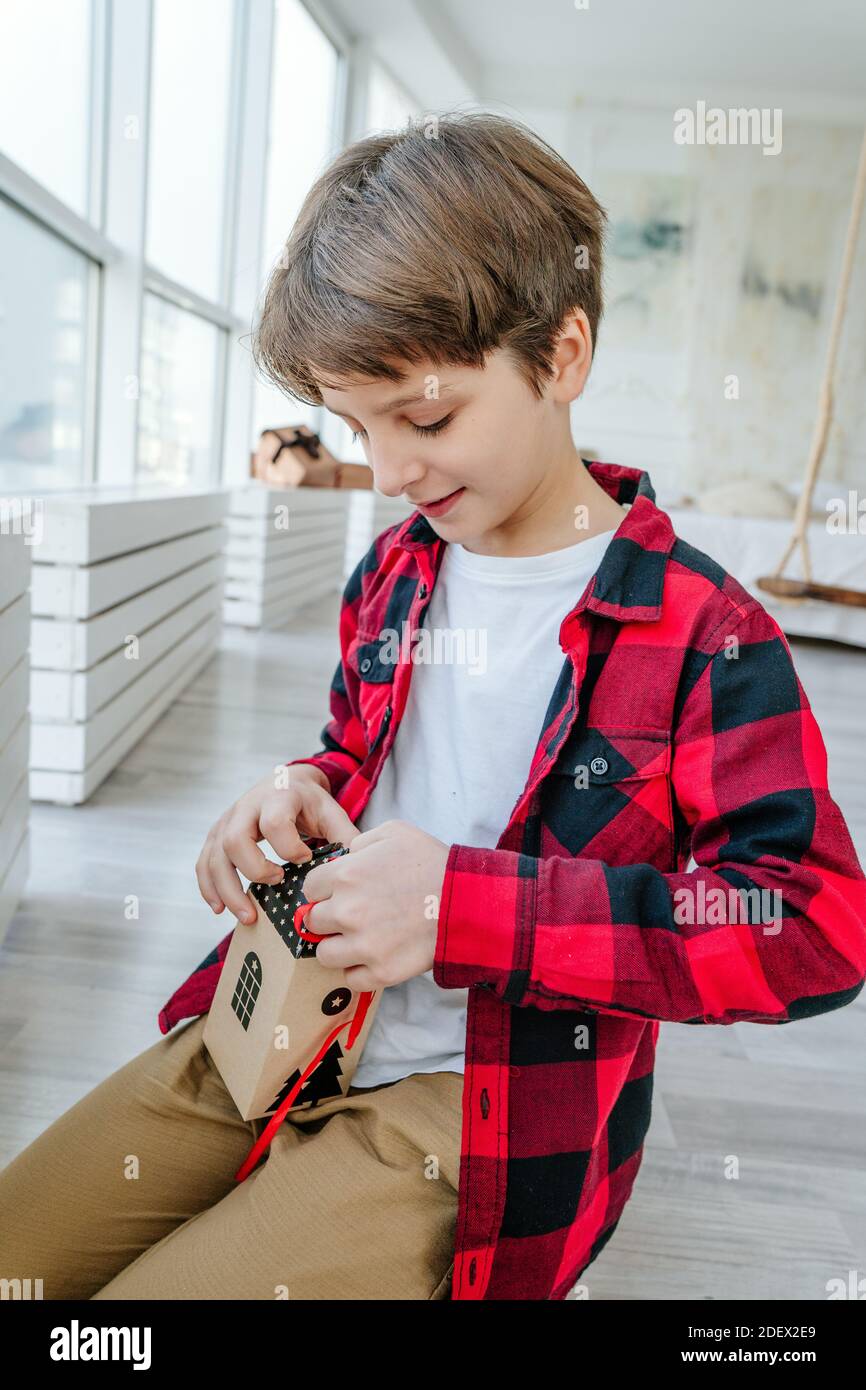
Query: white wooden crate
x=285, y=548
x=94, y=524
x=79, y=591
x=73, y=747
x=127, y=596
x=59, y=644
x=71, y=788
x=77, y=695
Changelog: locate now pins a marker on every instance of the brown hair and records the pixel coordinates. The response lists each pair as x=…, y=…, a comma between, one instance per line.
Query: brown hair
x=458, y=234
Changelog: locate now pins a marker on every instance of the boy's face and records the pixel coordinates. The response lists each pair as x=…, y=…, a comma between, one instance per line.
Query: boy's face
x=489, y=456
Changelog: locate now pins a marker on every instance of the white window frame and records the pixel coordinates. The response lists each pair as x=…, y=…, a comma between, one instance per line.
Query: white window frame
x=112, y=235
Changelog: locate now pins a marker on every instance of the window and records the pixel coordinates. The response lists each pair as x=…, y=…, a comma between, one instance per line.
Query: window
x=45, y=93
x=177, y=434
x=46, y=292
x=153, y=157
x=189, y=135
x=300, y=138
x=389, y=107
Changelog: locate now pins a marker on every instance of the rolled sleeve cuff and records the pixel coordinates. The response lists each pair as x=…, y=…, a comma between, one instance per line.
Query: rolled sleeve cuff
x=486, y=919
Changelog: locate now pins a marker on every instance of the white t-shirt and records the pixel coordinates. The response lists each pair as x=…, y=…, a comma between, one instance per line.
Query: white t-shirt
x=461, y=756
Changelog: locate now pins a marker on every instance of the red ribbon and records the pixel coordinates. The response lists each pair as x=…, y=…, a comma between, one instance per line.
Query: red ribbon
x=354, y=1024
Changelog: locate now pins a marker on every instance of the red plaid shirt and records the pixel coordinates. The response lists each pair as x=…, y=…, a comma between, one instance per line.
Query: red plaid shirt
x=678, y=730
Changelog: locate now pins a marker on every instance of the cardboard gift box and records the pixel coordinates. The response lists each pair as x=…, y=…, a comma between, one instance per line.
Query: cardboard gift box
x=293, y=456
x=276, y=1009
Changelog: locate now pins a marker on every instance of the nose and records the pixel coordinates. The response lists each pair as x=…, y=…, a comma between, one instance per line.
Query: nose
x=392, y=477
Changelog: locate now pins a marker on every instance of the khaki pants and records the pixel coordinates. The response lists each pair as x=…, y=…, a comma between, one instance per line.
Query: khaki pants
x=131, y=1193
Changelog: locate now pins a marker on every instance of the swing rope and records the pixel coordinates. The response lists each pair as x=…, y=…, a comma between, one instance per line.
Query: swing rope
x=793, y=590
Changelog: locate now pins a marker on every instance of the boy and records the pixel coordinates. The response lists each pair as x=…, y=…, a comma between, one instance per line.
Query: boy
x=520, y=824
x=650, y=698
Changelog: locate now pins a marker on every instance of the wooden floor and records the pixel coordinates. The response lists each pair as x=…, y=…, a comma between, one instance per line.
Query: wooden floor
x=81, y=985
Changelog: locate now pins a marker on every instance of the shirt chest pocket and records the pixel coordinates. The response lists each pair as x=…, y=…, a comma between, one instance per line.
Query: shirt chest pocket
x=609, y=797
x=372, y=659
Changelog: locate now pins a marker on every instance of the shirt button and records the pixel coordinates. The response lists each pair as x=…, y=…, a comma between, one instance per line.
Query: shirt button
x=366, y=664
x=599, y=766
x=422, y=592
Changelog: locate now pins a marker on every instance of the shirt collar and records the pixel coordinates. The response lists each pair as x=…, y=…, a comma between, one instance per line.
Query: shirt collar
x=627, y=586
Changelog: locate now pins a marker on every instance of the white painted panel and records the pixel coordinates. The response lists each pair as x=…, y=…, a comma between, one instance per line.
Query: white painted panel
x=14, y=633
x=14, y=697
x=76, y=695
x=274, y=570
x=13, y=821
x=73, y=747
x=244, y=535
x=277, y=611
x=15, y=556
x=59, y=644
x=13, y=761
x=260, y=501
x=68, y=591
x=71, y=788
x=13, y=882
x=98, y=523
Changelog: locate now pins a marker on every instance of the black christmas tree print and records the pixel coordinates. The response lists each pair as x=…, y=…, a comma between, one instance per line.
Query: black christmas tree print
x=247, y=988
x=324, y=1082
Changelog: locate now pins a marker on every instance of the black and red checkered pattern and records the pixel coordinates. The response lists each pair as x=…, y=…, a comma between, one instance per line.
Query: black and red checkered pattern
x=678, y=789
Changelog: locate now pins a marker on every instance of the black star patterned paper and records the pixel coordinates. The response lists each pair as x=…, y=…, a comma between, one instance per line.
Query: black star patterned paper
x=281, y=902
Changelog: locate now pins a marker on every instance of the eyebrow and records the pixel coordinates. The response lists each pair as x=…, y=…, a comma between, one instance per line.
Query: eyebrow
x=400, y=401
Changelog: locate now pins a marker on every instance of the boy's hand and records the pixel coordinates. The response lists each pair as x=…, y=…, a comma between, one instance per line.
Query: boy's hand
x=276, y=814
x=383, y=901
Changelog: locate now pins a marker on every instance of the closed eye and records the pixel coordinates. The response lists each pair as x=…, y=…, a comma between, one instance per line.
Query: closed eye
x=419, y=429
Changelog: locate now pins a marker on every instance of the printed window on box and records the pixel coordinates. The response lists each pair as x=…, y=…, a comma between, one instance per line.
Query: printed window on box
x=247, y=988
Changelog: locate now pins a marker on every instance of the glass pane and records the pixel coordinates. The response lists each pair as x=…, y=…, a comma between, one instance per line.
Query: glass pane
x=179, y=363
x=190, y=98
x=44, y=322
x=389, y=106
x=303, y=87
x=45, y=72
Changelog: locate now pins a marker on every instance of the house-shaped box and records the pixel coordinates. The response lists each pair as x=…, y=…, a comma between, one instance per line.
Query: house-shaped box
x=275, y=1006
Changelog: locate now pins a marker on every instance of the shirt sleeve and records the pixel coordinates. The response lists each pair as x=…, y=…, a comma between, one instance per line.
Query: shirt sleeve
x=749, y=774
x=344, y=747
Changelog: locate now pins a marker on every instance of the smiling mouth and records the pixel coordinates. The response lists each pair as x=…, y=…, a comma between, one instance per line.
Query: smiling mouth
x=432, y=501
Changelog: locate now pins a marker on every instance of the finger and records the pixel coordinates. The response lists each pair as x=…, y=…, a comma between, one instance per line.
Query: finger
x=281, y=833
x=319, y=883
x=229, y=887
x=321, y=919
x=336, y=953
x=240, y=846
x=205, y=880
x=322, y=815
x=360, y=978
